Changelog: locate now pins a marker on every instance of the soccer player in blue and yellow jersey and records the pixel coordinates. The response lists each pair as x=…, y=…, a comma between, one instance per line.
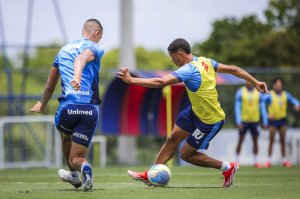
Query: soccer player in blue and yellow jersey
x=277, y=103
x=249, y=109
x=201, y=121
x=78, y=66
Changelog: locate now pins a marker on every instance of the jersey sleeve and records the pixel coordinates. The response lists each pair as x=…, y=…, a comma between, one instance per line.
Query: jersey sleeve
x=184, y=73
x=97, y=51
x=214, y=63
x=238, y=106
x=263, y=109
x=55, y=62
x=292, y=99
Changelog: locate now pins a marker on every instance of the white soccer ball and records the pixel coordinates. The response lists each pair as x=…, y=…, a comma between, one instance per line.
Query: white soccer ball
x=159, y=175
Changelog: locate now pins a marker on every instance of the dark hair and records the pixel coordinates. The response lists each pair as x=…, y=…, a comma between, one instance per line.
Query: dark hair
x=277, y=79
x=96, y=21
x=179, y=44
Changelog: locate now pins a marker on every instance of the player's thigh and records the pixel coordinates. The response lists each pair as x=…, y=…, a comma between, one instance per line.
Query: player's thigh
x=178, y=135
x=254, y=131
x=282, y=133
x=272, y=131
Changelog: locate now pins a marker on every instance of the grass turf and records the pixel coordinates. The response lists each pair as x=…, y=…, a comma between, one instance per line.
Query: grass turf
x=186, y=182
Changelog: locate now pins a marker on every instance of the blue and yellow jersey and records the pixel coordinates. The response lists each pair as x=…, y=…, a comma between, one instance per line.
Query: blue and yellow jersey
x=277, y=104
x=249, y=106
x=89, y=91
x=199, y=77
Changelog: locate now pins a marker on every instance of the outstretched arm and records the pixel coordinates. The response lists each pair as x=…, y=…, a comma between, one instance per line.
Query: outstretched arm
x=49, y=89
x=147, y=82
x=293, y=101
x=79, y=64
x=236, y=71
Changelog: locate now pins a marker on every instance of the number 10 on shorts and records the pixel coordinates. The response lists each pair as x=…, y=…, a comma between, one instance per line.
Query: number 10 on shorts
x=198, y=134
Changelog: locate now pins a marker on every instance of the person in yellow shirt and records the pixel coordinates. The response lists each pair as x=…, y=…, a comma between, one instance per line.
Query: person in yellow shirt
x=249, y=109
x=203, y=119
x=277, y=103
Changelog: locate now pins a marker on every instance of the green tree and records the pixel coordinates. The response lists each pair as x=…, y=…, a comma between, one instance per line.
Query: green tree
x=234, y=41
x=251, y=42
x=145, y=59
x=43, y=56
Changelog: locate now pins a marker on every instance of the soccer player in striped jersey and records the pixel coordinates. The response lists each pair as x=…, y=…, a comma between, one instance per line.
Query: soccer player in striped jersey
x=78, y=66
x=249, y=109
x=201, y=121
x=277, y=103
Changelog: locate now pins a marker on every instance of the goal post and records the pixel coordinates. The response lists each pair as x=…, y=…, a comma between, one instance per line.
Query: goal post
x=29, y=141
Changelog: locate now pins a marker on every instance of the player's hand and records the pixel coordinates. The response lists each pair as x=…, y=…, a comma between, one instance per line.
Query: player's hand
x=37, y=108
x=262, y=87
x=297, y=108
x=75, y=84
x=125, y=75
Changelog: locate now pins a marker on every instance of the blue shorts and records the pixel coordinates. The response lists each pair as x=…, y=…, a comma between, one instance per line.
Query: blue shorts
x=200, y=133
x=78, y=120
x=251, y=126
x=278, y=123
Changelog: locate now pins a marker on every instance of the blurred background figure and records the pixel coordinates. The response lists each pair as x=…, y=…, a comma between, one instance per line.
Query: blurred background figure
x=249, y=108
x=277, y=103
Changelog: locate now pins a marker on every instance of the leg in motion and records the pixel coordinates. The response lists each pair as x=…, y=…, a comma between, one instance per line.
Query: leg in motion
x=71, y=176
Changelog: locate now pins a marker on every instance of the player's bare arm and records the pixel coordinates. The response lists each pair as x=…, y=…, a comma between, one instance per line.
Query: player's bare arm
x=147, y=82
x=236, y=71
x=79, y=64
x=49, y=89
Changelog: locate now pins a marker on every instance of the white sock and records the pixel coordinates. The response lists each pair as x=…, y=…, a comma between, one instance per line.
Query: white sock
x=225, y=166
x=255, y=158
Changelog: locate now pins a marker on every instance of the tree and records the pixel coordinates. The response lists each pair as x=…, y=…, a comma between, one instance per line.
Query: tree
x=234, y=41
x=43, y=56
x=251, y=42
x=146, y=59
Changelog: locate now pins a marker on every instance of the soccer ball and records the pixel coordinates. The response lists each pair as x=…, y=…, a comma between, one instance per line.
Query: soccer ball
x=159, y=175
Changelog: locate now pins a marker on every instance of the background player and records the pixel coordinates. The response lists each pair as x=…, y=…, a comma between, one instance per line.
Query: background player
x=78, y=112
x=277, y=103
x=201, y=121
x=249, y=108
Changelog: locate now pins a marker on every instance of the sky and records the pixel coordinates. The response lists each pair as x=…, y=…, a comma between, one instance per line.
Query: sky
x=156, y=22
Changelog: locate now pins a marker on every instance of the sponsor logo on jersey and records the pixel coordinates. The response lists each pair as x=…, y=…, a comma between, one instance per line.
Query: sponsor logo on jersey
x=87, y=93
x=81, y=136
x=79, y=112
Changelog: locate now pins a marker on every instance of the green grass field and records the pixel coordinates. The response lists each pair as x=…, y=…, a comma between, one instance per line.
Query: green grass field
x=186, y=182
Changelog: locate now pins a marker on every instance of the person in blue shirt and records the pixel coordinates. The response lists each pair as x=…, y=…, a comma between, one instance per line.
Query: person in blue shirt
x=277, y=103
x=77, y=65
x=249, y=110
